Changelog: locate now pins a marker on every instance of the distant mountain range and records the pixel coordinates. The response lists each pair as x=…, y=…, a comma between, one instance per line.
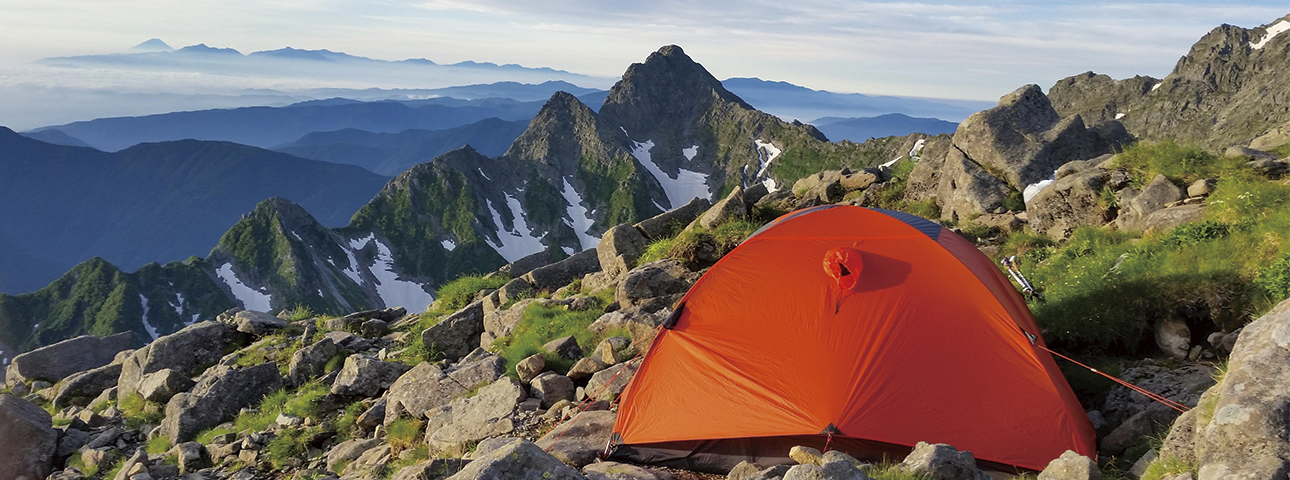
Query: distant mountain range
x=393, y=153
x=889, y=125
x=154, y=202
x=796, y=102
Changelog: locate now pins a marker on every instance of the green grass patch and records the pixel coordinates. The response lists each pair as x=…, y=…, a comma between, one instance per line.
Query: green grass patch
x=403, y=434
x=458, y=293
x=347, y=424
x=542, y=324
x=206, y=437
x=264, y=415
x=76, y=461
x=158, y=445
x=689, y=244
x=116, y=468
x=299, y=313
x=418, y=454
x=305, y=403
x=288, y=444
x=888, y=470
x=1245, y=198
x=1181, y=164
x=138, y=411
x=1167, y=467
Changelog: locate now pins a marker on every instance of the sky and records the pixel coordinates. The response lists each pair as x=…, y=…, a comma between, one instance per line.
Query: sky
x=946, y=49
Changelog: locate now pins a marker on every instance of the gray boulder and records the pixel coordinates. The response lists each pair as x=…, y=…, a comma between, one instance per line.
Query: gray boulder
x=1166, y=219
x=966, y=188
x=636, y=321
x=310, y=362
x=191, y=456
x=196, y=346
x=586, y=367
x=519, y=460
x=831, y=471
x=669, y=223
x=218, y=396
x=57, y=361
x=159, y=386
x=428, y=387
x=350, y=450
x=658, y=284
x=78, y=388
x=619, y=248
x=257, y=323
x=564, y=347
x=468, y=420
x=515, y=289
x=364, y=376
x=622, y=471
x=500, y=323
x=458, y=334
x=607, y=384
x=551, y=387
x=373, y=416
x=1240, y=429
x=71, y=441
x=1023, y=138
x=1155, y=196
x=577, y=441
x=560, y=273
x=27, y=439
x=1071, y=466
x=727, y=209
x=1070, y=202
x=942, y=462
x=1173, y=336
x=614, y=350
x=437, y=469
x=530, y=367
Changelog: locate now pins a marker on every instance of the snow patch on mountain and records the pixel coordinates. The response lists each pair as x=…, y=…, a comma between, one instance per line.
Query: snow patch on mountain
x=355, y=245
x=392, y=290
x=449, y=245
x=179, y=308
x=690, y=152
x=485, y=175
x=152, y=331
x=766, y=153
x=1274, y=30
x=250, y=298
x=687, y=184
x=519, y=242
x=582, y=220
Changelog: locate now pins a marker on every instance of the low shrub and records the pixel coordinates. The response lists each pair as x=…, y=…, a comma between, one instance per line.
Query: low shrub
x=1274, y=279
x=299, y=313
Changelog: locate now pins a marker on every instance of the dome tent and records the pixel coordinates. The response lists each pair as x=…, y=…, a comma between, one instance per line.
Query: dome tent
x=862, y=329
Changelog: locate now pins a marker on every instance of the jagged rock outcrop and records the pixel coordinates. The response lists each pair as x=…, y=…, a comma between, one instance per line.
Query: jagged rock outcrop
x=196, y=346
x=1072, y=201
x=1155, y=196
x=656, y=285
x=54, y=362
x=1240, y=430
x=1023, y=139
x=310, y=361
x=967, y=189
x=27, y=440
x=163, y=384
x=560, y=273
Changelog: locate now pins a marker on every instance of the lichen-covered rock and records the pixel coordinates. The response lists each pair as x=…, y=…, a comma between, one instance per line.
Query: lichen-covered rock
x=436, y=469
x=458, y=334
x=660, y=282
x=577, y=441
x=619, y=248
x=586, y=367
x=942, y=462
x=257, y=323
x=966, y=188
x=550, y=388
x=1071, y=466
x=159, y=386
x=468, y=420
x=349, y=450
x=27, y=439
x=730, y=208
x=519, y=460
x=310, y=362
x=622, y=471
x=560, y=273
x=1070, y=202
x=196, y=346
x=666, y=224
x=805, y=455
x=1241, y=431
x=364, y=376
x=80, y=387
x=218, y=396
x=57, y=361
x=530, y=366
x=428, y=386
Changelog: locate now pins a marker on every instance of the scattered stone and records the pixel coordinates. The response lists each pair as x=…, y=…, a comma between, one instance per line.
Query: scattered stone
x=98, y=459
x=471, y=419
x=622, y=471
x=805, y=455
x=218, y=397
x=640, y=324
x=457, y=334
x=1155, y=196
x=1202, y=187
x=1071, y=466
x=349, y=342
x=1166, y=219
x=257, y=323
x=1173, y=337
x=1249, y=152
x=310, y=362
x=159, y=386
x=81, y=386
x=374, y=328
x=196, y=346
x=577, y=441
x=614, y=350
x=858, y=180
x=57, y=361
x=619, y=248
x=730, y=208
x=519, y=460
x=669, y=223
x=364, y=376
x=1140, y=467
x=550, y=388
x=585, y=368
x=71, y=441
x=350, y=450
x=28, y=442
x=660, y=283
x=560, y=273
x=90, y=418
x=529, y=367
x=428, y=386
x=105, y=438
x=436, y=469
x=374, y=416
x=1136, y=427
x=745, y=471
x=136, y=464
x=942, y=462
x=607, y=384
x=565, y=347
x=190, y=456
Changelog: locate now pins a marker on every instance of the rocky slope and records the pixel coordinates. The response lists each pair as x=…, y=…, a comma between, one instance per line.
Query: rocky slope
x=1225, y=92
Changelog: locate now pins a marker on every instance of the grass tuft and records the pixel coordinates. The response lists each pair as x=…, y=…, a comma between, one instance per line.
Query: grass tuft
x=158, y=445
x=458, y=293
x=403, y=434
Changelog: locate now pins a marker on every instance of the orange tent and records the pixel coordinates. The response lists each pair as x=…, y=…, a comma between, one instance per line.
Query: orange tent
x=862, y=329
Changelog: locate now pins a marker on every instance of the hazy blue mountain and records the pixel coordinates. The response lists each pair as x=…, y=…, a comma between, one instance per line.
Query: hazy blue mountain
x=791, y=101
x=152, y=45
x=57, y=137
x=392, y=153
x=891, y=124
x=272, y=126
x=152, y=202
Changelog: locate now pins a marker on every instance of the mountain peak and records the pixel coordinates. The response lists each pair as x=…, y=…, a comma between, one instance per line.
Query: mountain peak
x=560, y=133
x=152, y=45
x=669, y=87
